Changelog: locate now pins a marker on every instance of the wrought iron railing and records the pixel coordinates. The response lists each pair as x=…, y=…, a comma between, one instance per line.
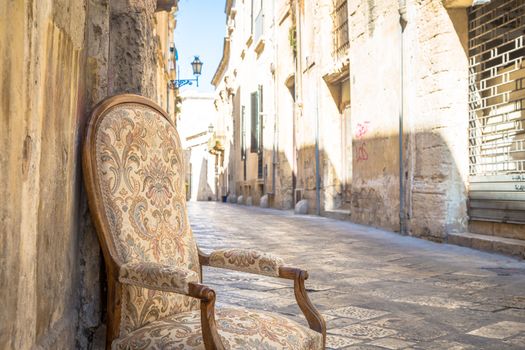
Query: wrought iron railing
x=497, y=89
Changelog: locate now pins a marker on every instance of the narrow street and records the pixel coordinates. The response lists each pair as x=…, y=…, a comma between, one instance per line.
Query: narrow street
x=376, y=289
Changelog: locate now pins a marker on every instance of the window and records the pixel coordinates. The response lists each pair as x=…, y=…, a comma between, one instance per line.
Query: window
x=340, y=28
x=257, y=19
x=255, y=121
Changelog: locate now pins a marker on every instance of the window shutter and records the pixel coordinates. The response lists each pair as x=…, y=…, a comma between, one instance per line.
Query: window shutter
x=243, y=132
x=254, y=146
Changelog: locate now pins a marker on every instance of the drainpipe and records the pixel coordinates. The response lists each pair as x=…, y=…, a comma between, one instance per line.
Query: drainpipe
x=298, y=89
x=168, y=98
x=403, y=23
x=317, y=162
x=275, y=96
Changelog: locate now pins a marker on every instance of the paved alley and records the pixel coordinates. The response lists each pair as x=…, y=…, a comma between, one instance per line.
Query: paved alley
x=376, y=289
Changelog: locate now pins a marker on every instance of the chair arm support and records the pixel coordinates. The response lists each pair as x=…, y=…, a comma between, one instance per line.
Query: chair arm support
x=313, y=317
x=244, y=260
x=210, y=334
x=177, y=280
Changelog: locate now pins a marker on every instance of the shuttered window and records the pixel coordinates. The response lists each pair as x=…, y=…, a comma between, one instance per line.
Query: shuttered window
x=254, y=145
x=497, y=111
x=340, y=29
x=256, y=121
x=243, y=133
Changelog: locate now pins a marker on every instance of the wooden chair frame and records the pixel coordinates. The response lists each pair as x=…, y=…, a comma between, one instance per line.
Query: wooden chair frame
x=205, y=294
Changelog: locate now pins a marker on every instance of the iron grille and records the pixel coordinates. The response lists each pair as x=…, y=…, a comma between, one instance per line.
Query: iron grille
x=496, y=111
x=497, y=88
x=340, y=31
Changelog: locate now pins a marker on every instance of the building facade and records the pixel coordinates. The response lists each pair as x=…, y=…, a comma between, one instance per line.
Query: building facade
x=195, y=124
x=401, y=115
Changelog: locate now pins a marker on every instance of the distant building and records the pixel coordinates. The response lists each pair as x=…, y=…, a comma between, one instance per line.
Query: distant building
x=195, y=124
x=401, y=115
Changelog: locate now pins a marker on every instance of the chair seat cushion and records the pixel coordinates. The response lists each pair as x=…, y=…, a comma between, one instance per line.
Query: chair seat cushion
x=239, y=328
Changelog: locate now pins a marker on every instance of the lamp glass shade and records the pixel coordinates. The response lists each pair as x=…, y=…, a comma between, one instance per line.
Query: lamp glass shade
x=196, y=65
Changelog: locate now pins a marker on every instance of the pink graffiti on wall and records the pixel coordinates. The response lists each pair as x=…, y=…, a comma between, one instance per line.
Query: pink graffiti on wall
x=362, y=153
x=362, y=130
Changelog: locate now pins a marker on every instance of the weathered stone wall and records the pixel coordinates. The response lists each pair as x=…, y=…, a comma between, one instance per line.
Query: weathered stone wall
x=132, y=47
x=92, y=281
x=284, y=85
x=42, y=70
x=436, y=119
x=375, y=94
x=435, y=116
x=56, y=63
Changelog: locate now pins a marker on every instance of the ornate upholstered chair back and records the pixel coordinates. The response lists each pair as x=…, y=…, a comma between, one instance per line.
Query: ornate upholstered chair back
x=139, y=181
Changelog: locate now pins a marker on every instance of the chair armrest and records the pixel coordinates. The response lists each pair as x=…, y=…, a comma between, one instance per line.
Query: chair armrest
x=158, y=276
x=245, y=260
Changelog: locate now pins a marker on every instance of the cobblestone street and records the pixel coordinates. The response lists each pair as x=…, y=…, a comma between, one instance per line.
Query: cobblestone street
x=376, y=289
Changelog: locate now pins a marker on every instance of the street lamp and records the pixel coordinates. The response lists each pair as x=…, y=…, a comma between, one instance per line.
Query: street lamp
x=196, y=65
x=210, y=128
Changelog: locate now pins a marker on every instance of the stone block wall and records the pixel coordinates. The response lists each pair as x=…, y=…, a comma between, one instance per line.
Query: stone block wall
x=431, y=94
x=375, y=80
x=437, y=119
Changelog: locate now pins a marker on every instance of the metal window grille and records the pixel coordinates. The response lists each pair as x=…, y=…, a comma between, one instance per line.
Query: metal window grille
x=340, y=28
x=496, y=111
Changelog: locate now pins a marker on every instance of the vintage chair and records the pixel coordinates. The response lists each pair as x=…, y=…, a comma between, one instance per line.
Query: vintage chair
x=133, y=169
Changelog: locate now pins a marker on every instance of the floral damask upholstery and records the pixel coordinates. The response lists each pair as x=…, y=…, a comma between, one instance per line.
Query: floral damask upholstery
x=141, y=173
x=239, y=329
x=160, y=277
x=247, y=260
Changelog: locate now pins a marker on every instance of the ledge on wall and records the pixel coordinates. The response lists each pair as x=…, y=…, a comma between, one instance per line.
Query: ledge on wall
x=454, y=4
x=507, y=246
x=259, y=47
x=338, y=72
x=249, y=41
